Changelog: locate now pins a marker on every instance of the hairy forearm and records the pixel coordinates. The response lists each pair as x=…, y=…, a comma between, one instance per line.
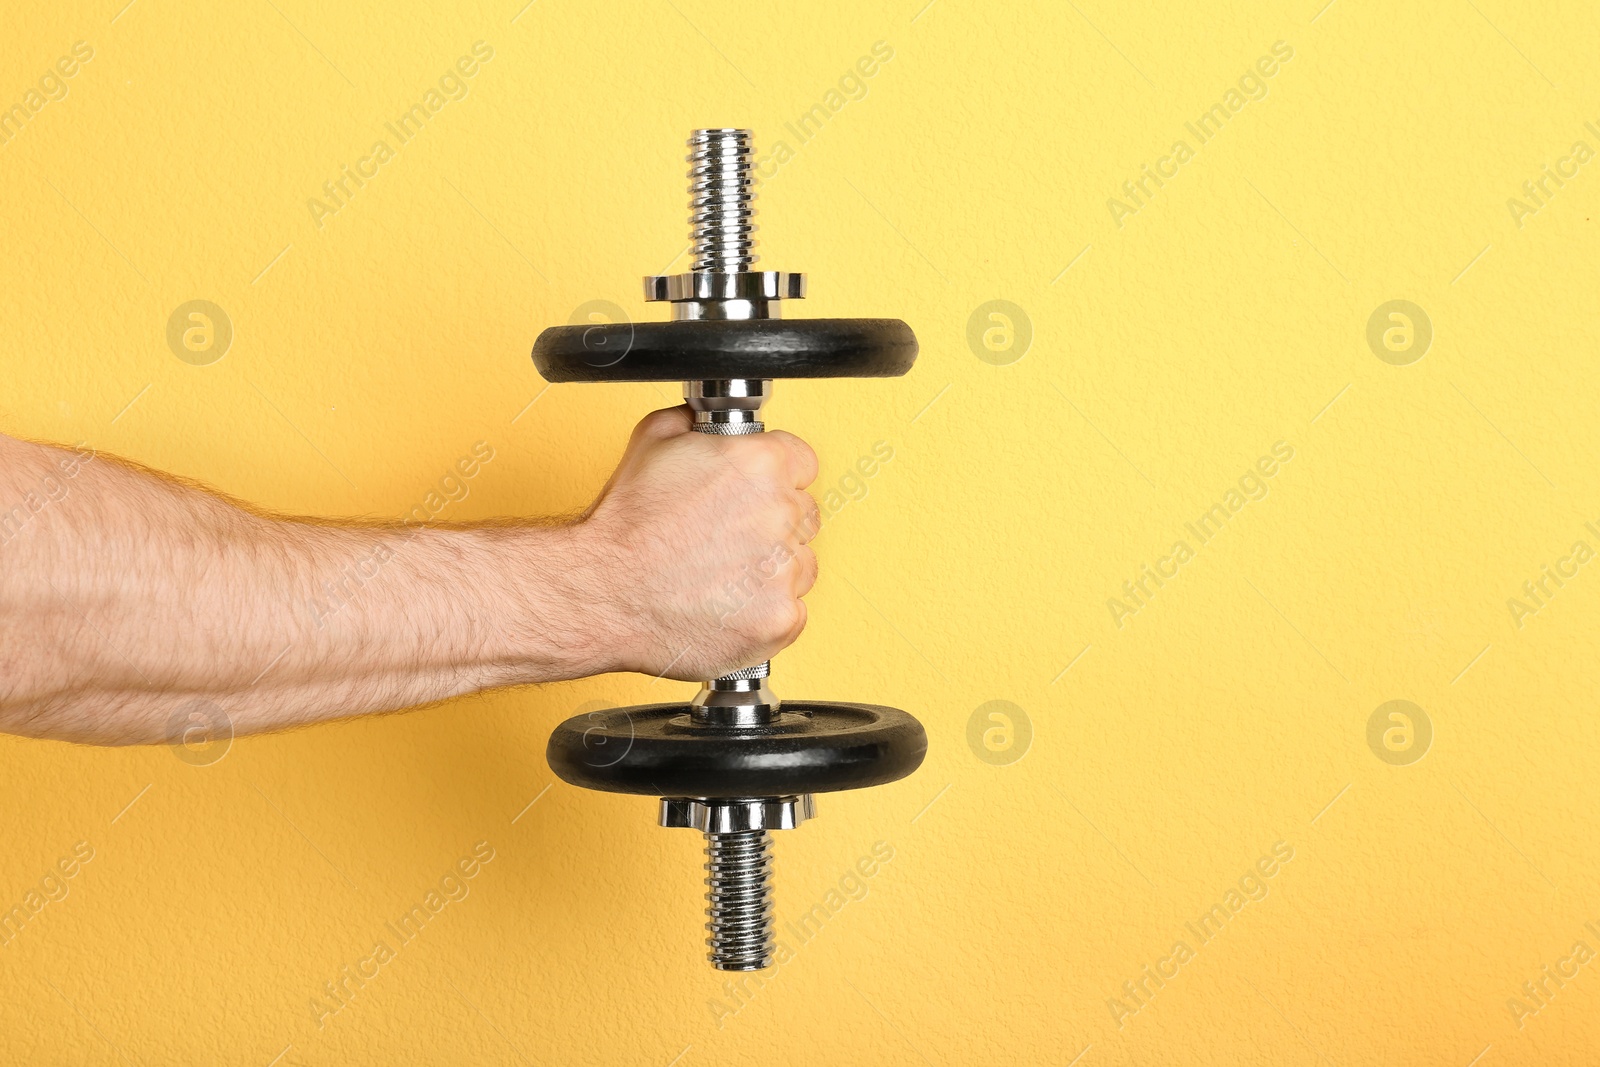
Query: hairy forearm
x=132, y=605
x=124, y=596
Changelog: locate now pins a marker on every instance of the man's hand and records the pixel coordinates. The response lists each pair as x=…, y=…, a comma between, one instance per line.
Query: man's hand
x=706, y=539
x=127, y=597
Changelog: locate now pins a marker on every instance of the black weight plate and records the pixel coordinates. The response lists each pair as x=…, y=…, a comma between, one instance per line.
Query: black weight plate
x=813, y=746
x=708, y=350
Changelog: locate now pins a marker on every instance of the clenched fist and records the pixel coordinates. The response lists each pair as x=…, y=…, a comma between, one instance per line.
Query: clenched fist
x=132, y=598
x=704, y=538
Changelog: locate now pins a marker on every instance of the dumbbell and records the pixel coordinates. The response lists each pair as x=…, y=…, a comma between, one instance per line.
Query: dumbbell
x=734, y=762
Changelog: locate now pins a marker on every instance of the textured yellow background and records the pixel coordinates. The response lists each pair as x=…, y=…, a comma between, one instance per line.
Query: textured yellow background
x=1229, y=714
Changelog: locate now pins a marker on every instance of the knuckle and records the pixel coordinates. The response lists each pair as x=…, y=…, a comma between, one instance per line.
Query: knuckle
x=797, y=513
x=797, y=621
x=775, y=454
x=809, y=465
x=662, y=424
x=752, y=459
x=800, y=462
x=784, y=621
x=806, y=569
x=809, y=521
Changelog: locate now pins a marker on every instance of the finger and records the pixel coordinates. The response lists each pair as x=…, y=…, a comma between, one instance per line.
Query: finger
x=799, y=624
x=656, y=426
x=808, y=520
x=805, y=571
x=799, y=460
x=665, y=423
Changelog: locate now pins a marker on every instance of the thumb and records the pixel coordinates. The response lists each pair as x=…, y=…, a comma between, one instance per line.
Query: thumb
x=663, y=424
x=656, y=427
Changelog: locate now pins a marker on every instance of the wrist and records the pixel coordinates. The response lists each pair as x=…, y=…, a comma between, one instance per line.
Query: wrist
x=549, y=610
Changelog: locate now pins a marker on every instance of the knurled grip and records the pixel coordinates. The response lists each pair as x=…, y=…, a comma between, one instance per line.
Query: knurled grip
x=730, y=429
x=748, y=674
x=737, y=429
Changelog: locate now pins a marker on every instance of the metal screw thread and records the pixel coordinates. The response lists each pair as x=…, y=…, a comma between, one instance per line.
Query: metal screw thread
x=721, y=202
x=739, y=900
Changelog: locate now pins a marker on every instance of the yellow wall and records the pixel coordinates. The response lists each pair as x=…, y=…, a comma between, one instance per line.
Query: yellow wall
x=1172, y=747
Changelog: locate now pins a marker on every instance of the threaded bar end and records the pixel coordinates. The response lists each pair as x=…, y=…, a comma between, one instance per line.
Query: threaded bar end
x=739, y=900
x=721, y=201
